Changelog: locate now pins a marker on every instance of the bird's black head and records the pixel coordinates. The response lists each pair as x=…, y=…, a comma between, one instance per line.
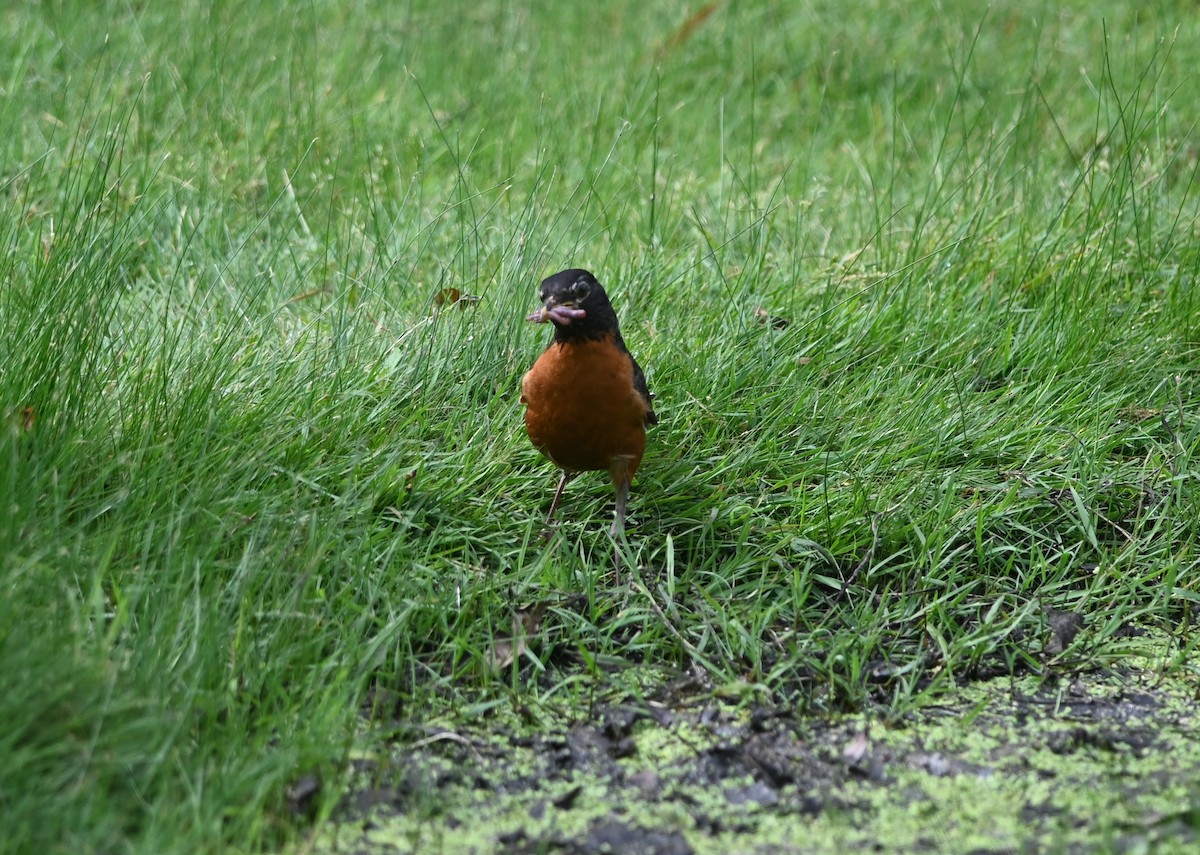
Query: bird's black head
x=577, y=306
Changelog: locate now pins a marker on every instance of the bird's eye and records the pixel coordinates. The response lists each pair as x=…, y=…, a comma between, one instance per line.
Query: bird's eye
x=580, y=289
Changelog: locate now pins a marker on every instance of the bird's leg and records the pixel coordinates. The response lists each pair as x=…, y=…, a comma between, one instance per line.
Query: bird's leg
x=562, y=483
x=618, y=526
x=621, y=483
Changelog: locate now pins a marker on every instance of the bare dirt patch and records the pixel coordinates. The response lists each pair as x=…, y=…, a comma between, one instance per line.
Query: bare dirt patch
x=1105, y=761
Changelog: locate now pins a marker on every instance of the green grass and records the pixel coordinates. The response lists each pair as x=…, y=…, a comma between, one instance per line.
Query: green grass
x=251, y=476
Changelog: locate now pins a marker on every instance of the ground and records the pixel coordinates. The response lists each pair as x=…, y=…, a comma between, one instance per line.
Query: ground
x=1104, y=760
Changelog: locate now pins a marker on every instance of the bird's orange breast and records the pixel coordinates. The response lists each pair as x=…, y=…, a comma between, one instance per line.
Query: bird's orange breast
x=581, y=408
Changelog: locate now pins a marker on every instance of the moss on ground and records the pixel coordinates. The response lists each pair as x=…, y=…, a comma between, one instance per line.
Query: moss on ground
x=1101, y=761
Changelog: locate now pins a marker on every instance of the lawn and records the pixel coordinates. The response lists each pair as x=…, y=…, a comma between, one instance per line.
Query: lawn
x=915, y=289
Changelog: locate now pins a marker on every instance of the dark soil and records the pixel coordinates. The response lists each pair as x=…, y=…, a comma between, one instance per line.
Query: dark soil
x=1103, y=761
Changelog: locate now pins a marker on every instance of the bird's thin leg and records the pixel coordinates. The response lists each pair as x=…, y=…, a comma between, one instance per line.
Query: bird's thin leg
x=562, y=483
x=618, y=526
x=621, y=482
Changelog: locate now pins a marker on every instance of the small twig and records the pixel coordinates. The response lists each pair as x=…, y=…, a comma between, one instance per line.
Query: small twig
x=447, y=736
x=867, y=559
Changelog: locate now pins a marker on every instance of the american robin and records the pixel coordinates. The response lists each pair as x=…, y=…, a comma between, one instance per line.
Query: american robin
x=586, y=400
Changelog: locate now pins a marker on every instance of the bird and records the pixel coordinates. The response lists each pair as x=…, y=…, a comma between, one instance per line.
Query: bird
x=587, y=405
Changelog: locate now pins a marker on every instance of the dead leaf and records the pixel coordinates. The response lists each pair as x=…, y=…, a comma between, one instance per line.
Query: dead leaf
x=689, y=26
x=379, y=325
x=504, y=652
x=525, y=623
x=530, y=619
x=1135, y=413
x=453, y=295
x=856, y=749
x=308, y=295
x=302, y=795
x=1064, y=626
x=765, y=317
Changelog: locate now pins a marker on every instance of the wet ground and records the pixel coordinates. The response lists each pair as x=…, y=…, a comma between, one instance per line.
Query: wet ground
x=1107, y=761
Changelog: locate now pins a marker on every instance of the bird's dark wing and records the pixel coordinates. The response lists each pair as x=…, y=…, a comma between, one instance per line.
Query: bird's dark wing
x=639, y=383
